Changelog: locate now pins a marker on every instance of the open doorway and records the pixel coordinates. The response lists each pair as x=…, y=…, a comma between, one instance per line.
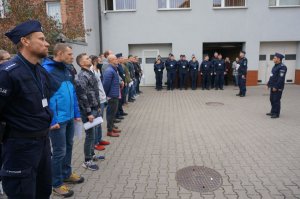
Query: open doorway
x=227, y=49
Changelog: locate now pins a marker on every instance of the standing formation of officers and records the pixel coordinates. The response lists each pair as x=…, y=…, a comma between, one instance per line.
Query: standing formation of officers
x=212, y=72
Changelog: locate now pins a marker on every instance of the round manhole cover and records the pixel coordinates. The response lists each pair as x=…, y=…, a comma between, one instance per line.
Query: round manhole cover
x=199, y=179
x=214, y=103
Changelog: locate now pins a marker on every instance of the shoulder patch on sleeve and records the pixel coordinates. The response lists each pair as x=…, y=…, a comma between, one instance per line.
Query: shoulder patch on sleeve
x=10, y=67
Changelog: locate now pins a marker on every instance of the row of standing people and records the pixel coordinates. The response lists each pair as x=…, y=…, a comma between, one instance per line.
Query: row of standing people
x=213, y=73
x=48, y=100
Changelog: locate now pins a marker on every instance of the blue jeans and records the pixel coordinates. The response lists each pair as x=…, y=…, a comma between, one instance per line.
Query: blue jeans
x=89, y=141
x=98, y=129
x=62, y=145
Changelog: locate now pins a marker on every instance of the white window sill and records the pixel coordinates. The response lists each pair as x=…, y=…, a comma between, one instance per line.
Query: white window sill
x=173, y=9
x=295, y=6
x=114, y=11
x=232, y=7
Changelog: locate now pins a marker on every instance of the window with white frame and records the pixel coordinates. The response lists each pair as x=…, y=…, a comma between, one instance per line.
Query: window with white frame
x=3, y=8
x=54, y=11
x=284, y=2
x=229, y=3
x=173, y=4
x=119, y=5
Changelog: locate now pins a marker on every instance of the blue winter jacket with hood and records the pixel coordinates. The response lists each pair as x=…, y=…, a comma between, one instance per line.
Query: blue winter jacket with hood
x=63, y=101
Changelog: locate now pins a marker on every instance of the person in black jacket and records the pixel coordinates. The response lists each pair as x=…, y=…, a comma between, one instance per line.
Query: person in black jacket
x=213, y=62
x=219, y=70
x=158, y=69
x=171, y=66
x=25, y=91
x=206, y=72
x=242, y=74
x=183, y=67
x=194, y=67
x=276, y=85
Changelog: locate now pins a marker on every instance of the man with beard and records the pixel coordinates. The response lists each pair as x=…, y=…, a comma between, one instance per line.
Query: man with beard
x=25, y=115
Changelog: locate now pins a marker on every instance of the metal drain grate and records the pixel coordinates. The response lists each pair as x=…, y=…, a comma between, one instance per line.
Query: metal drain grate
x=199, y=179
x=214, y=104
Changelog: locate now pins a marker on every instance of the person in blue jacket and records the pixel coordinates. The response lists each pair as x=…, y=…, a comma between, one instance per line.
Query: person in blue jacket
x=183, y=67
x=206, y=72
x=219, y=70
x=171, y=67
x=194, y=67
x=64, y=106
x=242, y=74
x=159, y=70
x=276, y=85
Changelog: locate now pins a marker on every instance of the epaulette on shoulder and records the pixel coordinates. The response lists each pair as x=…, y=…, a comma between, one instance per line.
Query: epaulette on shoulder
x=10, y=67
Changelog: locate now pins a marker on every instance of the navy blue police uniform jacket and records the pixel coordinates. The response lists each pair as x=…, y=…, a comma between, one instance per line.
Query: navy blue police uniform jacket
x=242, y=70
x=194, y=66
x=277, y=76
x=158, y=68
x=171, y=66
x=183, y=66
x=23, y=86
x=206, y=67
x=219, y=66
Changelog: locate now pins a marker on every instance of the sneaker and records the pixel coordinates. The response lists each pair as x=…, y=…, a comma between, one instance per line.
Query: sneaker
x=90, y=165
x=103, y=142
x=116, y=130
x=99, y=147
x=74, y=179
x=98, y=157
x=63, y=191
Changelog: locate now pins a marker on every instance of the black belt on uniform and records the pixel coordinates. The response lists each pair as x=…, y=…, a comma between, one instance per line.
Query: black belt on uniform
x=18, y=134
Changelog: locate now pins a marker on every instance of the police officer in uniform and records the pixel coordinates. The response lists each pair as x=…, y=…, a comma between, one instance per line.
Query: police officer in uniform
x=242, y=74
x=194, y=66
x=183, y=67
x=219, y=71
x=171, y=66
x=158, y=69
x=24, y=110
x=276, y=85
x=213, y=62
x=206, y=72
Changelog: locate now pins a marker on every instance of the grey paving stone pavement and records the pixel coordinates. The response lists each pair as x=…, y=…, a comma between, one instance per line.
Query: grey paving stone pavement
x=165, y=131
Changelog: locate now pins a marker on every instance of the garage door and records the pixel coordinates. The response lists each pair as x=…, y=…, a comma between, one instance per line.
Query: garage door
x=267, y=51
x=148, y=54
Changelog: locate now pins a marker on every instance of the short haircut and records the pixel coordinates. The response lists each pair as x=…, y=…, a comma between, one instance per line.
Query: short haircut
x=2, y=53
x=130, y=56
x=60, y=47
x=79, y=57
x=93, y=58
x=20, y=45
x=106, y=53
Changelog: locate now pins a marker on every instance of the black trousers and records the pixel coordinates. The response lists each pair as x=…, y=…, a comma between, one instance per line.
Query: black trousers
x=182, y=80
x=194, y=75
x=171, y=79
x=26, y=171
x=219, y=80
x=206, y=81
x=158, y=77
x=112, y=109
x=275, y=99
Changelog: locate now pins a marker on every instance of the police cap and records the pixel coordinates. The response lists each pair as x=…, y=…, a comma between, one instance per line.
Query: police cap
x=278, y=55
x=24, y=29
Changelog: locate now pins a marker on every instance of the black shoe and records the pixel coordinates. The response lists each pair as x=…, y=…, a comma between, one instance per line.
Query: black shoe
x=221, y=88
x=130, y=100
x=242, y=95
x=216, y=89
x=117, y=121
x=203, y=89
x=120, y=117
x=274, y=116
x=238, y=94
x=269, y=114
x=124, y=114
x=115, y=127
